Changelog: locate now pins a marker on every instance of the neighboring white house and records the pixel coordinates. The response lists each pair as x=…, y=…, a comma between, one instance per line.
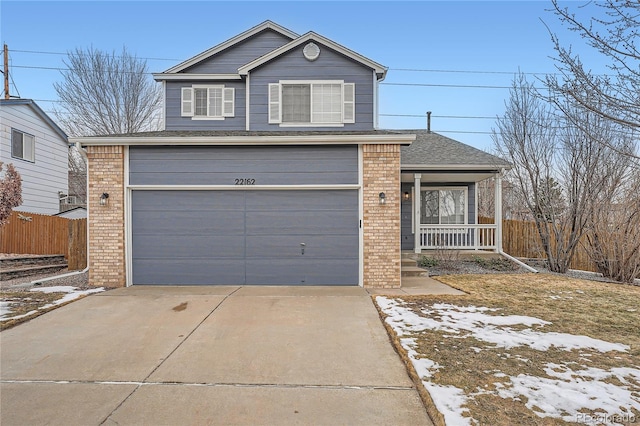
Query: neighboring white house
x=39, y=150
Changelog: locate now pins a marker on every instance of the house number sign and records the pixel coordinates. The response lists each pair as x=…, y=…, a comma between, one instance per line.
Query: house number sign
x=245, y=181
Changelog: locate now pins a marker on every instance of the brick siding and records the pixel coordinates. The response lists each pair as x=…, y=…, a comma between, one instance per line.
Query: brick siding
x=381, y=224
x=106, y=223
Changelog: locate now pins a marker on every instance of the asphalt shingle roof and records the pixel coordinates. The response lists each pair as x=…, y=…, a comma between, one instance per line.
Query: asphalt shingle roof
x=433, y=149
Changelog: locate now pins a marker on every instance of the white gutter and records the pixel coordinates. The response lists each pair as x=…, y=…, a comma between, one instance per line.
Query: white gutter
x=519, y=262
x=70, y=274
x=399, y=139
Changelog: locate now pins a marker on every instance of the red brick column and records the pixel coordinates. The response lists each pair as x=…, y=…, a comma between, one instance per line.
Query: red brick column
x=381, y=224
x=106, y=223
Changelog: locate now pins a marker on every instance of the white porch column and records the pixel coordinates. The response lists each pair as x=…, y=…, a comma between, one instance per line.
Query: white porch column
x=498, y=211
x=416, y=212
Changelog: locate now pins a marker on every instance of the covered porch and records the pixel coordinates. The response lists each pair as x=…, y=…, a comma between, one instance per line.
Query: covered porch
x=439, y=193
x=446, y=215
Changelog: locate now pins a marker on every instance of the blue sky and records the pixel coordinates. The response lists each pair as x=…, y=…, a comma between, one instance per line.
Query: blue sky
x=455, y=43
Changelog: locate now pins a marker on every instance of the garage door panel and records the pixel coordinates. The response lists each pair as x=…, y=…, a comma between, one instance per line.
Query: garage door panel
x=189, y=222
x=162, y=247
x=316, y=246
x=300, y=222
x=205, y=201
x=213, y=178
x=296, y=272
x=188, y=272
x=317, y=201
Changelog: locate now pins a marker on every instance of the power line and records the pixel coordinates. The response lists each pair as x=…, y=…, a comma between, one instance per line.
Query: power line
x=441, y=116
x=66, y=53
x=457, y=86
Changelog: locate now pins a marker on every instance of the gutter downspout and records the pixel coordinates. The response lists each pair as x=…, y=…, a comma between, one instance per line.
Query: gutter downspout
x=519, y=262
x=70, y=274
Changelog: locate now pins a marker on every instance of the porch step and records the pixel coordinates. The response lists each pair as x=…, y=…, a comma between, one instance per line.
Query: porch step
x=414, y=271
x=406, y=261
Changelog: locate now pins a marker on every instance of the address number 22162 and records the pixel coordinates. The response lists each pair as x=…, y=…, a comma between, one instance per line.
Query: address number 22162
x=247, y=181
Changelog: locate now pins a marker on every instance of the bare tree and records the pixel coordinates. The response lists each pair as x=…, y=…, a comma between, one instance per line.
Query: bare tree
x=10, y=192
x=559, y=168
x=77, y=176
x=106, y=93
x=612, y=31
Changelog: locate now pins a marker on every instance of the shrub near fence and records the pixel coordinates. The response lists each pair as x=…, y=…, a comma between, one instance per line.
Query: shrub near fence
x=30, y=233
x=520, y=238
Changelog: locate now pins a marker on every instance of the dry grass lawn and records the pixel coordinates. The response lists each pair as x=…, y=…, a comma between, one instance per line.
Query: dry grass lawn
x=608, y=312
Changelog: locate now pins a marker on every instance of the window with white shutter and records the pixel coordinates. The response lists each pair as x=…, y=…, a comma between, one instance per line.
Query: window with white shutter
x=349, y=104
x=274, y=103
x=312, y=103
x=187, y=102
x=202, y=102
x=228, y=101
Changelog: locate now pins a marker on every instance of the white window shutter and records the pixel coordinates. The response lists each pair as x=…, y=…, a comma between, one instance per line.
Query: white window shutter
x=186, y=109
x=349, y=102
x=228, y=101
x=274, y=103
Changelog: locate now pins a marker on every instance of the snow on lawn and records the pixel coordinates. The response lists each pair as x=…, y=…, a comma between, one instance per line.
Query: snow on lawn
x=560, y=396
x=72, y=293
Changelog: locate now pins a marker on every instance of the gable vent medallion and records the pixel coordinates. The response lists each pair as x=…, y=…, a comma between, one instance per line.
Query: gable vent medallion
x=311, y=51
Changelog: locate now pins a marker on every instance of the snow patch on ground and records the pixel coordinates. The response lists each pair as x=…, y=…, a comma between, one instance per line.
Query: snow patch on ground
x=72, y=293
x=561, y=395
x=487, y=328
x=570, y=391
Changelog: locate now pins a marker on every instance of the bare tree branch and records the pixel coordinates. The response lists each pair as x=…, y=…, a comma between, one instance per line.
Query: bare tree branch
x=106, y=93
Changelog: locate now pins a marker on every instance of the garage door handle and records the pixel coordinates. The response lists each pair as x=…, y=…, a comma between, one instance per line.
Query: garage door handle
x=302, y=245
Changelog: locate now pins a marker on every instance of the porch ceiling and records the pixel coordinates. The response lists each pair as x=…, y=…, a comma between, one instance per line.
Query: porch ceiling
x=445, y=176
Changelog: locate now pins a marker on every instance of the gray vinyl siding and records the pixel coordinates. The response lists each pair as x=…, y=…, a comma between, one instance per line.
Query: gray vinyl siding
x=48, y=174
x=245, y=237
x=292, y=65
x=406, y=212
x=228, y=61
x=174, y=120
x=283, y=165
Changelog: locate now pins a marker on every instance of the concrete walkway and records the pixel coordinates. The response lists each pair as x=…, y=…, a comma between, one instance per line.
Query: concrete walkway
x=207, y=355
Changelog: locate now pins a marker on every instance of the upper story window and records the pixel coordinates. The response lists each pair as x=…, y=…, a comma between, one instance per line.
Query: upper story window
x=311, y=103
x=208, y=102
x=23, y=145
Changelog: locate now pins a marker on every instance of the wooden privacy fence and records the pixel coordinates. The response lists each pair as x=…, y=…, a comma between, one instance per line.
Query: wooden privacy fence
x=520, y=238
x=30, y=233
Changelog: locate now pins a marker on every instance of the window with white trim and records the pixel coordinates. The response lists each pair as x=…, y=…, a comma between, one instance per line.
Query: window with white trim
x=202, y=102
x=443, y=206
x=311, y=103
x=23, y=145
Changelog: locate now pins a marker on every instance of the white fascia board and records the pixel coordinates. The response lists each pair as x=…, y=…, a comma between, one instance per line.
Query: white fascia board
x=200, y=77
x=399, y=139
x=379, y=69
x=456, y=167
x=234, y=40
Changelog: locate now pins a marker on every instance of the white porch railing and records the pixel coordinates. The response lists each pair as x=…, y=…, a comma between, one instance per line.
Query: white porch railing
x=469, y=237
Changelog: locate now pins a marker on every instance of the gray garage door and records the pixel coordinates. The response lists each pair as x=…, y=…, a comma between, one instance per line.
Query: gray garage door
x=245, y=237
x=253, y=237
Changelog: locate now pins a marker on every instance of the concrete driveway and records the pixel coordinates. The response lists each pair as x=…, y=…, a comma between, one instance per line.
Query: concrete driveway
x=207, y=355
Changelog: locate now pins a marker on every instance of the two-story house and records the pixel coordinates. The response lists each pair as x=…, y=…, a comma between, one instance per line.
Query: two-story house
x=271, y=170
x=39, y=150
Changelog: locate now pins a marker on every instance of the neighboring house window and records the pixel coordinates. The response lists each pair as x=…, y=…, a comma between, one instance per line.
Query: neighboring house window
x=443, y=206
x=317, y=103
x=207, y=102
x=23, y=145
